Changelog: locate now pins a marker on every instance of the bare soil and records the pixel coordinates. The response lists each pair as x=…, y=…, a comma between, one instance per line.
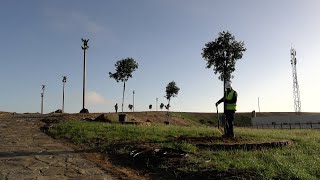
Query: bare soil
x=28, y=153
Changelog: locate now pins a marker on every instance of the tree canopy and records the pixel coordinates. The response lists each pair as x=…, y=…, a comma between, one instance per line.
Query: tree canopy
x=161, y=106
x=222, y=54
x=130, y=106
x=172, y=90
x=124, y=69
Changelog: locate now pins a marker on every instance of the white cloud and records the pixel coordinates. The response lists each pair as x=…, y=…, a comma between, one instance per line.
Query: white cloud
x=94, y=98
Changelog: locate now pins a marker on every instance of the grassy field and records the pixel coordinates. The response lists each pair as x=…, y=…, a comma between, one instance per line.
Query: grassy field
x=241, y=119
x=298, y=161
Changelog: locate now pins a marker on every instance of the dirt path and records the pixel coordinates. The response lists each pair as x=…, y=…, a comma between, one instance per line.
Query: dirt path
x=28, y=153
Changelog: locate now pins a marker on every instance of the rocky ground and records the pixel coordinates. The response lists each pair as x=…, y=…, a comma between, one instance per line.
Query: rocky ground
x=28, y=153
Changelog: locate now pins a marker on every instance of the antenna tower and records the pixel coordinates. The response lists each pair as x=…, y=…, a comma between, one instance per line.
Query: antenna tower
x=296, y=92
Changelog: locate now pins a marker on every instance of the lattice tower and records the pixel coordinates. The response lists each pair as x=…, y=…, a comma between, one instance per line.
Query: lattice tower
x=296, y=92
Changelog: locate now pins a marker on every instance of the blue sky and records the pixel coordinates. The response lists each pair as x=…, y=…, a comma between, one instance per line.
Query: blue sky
x=41, y=42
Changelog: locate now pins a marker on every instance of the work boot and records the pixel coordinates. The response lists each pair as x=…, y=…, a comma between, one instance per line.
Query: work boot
x=225, y=136
x=229, y=136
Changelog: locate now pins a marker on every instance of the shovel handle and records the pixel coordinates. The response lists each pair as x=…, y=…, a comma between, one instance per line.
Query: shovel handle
x=218, y=117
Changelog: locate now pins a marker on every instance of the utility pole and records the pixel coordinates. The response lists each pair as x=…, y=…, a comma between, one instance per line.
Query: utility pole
x=133, y=101
x=258, y=104
x=296, y=92
x=156, y=104
x=84, y=48
x=64, y=80
x=42, y=94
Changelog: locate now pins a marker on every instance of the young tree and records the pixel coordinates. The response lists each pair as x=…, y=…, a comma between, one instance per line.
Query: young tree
x=130, y=106
x=150, y=107
x=171, y=91
x=222, y=54
x=124, y=69
x=161, y=106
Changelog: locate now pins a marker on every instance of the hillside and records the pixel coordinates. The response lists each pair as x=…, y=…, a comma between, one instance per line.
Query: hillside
x=242, y=119
x=153, y=117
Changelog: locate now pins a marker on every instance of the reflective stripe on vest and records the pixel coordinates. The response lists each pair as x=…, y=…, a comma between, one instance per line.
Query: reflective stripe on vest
x=231, y=106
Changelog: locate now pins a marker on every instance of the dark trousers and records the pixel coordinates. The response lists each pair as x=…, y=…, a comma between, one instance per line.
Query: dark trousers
x=229, y=125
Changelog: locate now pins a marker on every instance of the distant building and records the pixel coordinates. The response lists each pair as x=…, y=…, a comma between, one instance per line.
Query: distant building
x=287, y=122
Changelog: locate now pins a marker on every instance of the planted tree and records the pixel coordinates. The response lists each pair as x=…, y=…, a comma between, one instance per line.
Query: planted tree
x=161, y=106
x=171, y=91
x=150, y=107
x=124, y=70
x=130, y=106
x=222, y=54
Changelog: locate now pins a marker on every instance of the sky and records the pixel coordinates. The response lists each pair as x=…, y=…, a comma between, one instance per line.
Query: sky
x=41, y=42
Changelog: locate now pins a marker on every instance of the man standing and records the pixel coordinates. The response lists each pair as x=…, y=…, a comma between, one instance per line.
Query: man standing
x=231, y=107
x=116, y=107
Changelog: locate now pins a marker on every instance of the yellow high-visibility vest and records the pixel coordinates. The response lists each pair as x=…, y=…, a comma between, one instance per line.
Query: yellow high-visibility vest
x=231, y=106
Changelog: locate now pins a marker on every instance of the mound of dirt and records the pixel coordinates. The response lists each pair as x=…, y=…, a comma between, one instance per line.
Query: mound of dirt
x=5, y=114
x=157, y=118
x=132, y=117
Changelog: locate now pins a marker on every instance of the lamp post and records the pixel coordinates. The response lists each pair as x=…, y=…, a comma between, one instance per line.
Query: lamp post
x=84, y=48
x=156, y=104
x=133, y=100
x=64, y=80
x=259, y=104
x=42, y=94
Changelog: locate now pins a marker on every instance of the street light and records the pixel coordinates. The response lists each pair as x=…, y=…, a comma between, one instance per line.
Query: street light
x=42, y=94
x=133, y=100
x=156, y=104
x=259, y=104
x=84, y=48
x=64, y=80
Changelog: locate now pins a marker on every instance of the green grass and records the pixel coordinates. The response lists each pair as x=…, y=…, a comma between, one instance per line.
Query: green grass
x=85, y=131
x=298, y=161
x=241, y=119
x=201, y=119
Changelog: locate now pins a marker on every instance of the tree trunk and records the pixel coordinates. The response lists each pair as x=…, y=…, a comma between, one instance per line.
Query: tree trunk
x=224, y=89
x=224, y=85
x=224, y=94
x=124, y=88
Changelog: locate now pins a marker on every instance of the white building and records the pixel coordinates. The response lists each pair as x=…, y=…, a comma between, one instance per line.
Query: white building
x=287, y=122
